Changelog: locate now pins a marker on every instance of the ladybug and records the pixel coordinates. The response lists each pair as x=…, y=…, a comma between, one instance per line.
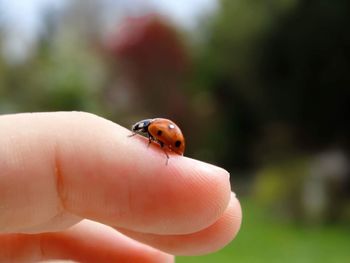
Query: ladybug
x=163, y=131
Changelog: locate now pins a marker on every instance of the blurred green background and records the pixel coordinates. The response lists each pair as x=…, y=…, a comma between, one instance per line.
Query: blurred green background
x=258, y=87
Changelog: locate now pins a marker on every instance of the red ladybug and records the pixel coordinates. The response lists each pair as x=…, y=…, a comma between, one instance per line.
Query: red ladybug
x=163, y=131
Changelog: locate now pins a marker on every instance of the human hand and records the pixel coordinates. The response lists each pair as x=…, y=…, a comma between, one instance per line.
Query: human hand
x=75, y=186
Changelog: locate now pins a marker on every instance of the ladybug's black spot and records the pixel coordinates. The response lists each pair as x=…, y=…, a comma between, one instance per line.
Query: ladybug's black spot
x=177, y=144
x=159, y=132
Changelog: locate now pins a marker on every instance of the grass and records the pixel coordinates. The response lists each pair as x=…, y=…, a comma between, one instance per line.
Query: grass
x=261, y=239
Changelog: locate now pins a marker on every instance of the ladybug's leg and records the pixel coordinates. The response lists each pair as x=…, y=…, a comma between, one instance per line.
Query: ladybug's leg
x=167, y=157
x=150, y=139
x=133, y=134
x=166, y=154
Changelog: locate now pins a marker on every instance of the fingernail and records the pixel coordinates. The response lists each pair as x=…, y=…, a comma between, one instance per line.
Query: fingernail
x=213, y=169
x=220, y=171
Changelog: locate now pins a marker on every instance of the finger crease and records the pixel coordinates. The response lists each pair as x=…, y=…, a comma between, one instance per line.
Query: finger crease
x=61, y=195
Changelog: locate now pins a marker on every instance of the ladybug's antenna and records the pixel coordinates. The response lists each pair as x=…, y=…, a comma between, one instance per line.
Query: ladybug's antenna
x=133, y=134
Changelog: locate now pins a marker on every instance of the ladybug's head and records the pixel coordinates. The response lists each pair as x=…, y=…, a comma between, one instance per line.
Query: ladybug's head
x=141, y=126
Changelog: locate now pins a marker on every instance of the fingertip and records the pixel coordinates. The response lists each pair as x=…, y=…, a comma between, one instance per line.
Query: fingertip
x=209, y=187
x=217, y=236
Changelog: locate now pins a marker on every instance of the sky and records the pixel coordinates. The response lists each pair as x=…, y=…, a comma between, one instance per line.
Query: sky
x=185, y=12
x=24, y=15
x=21, y=19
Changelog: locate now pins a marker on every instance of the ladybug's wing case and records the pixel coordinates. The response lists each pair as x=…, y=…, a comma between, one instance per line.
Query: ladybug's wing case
x=168, y=133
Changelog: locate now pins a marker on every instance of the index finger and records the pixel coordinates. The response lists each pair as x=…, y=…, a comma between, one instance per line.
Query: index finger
x=54, y=164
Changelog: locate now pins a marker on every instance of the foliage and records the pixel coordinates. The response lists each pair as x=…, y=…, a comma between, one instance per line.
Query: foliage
x=276, y=69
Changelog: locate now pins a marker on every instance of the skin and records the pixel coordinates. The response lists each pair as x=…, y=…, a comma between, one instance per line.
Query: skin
x=75, y=186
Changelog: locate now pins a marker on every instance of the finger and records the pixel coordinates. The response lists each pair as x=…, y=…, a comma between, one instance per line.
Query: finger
x=75, y=165
x=202, y=242
x=86, y=242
